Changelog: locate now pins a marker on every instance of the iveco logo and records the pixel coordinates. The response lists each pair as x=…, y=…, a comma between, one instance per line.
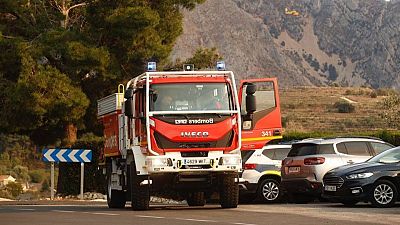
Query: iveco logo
x=194, y=134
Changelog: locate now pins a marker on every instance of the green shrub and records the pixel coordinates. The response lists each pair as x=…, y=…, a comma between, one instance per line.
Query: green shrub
x=14, y=189
x=5, y=194
x=36, y=176
x=373, y=94
x=45, y=186
x=344, y=107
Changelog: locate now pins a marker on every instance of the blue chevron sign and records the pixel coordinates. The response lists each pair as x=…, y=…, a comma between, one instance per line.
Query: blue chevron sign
x=67, y=155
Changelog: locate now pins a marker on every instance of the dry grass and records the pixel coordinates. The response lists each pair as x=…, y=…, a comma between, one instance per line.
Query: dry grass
x=309, y=109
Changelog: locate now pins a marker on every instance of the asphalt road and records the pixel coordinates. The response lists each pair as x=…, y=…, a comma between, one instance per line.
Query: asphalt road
x=76, y=213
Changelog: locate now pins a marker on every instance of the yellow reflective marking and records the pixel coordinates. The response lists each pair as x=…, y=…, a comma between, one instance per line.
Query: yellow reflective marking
x=272, y=172
x=262, y=138
x=111, y=154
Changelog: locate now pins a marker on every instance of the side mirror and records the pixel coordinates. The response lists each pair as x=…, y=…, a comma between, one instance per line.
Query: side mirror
x=251, y=105
x=129, y=93
x=251, y=89
x=129, y=104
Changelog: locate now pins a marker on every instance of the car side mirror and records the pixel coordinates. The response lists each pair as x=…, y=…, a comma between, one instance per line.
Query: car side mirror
x=129, y=104
x=251, y=105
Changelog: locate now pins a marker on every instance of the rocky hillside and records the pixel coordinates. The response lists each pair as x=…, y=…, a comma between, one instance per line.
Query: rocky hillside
x=347, y=42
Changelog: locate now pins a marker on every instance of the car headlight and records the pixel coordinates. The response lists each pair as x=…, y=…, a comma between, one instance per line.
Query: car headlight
x=359, y=176
x=230, y=160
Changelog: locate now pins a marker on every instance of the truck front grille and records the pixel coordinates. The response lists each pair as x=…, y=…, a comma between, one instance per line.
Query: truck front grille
x=195, y=154
x=165, y=143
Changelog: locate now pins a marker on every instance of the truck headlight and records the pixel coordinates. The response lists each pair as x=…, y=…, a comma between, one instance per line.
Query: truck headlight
x=154, y=162
x=358, y=176
x=230, y=160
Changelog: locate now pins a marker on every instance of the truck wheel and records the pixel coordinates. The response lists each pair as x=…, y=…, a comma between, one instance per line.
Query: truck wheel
x=229, y=192
x=196, y=199
x=383, y=194
x=269, y=191
x=140, y=195
x=115, y=198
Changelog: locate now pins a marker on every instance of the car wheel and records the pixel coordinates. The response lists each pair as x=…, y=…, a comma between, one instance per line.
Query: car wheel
x=349, y=202
x=269, y=191
x=383, y=194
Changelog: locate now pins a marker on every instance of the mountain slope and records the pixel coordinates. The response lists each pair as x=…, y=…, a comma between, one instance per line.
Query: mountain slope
x=348, y=42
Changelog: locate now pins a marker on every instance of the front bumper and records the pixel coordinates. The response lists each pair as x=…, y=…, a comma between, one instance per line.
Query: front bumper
x=302, y=186
x=358, y=189
x=175, y=163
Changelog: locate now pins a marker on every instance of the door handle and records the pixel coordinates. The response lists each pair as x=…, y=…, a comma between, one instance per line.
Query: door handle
x=350, y=162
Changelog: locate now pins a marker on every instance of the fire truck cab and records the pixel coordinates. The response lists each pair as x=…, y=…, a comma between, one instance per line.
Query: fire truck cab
x=179, y=134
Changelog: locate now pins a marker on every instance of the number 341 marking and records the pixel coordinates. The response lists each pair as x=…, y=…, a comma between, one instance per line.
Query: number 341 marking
x=266, y=133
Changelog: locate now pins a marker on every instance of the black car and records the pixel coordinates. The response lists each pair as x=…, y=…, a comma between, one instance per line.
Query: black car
x=376, y=180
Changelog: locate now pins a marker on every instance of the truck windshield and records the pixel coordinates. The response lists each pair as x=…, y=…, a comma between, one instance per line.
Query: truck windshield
x=190, y=97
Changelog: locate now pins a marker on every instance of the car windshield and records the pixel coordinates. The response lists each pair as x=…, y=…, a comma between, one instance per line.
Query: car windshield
x=388, y=156
x=304, y=149
x=190, y=97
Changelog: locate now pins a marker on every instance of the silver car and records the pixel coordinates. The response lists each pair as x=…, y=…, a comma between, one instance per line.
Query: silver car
x=308, y=161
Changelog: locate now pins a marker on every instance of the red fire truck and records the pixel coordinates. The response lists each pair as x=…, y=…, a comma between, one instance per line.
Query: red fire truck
x=180, y=134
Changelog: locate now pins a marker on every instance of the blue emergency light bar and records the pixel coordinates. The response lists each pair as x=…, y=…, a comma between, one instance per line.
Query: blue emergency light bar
x=151, y=66
x=220, y=65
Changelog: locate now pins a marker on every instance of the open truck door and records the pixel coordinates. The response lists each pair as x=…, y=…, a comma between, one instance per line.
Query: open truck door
x=261, y=113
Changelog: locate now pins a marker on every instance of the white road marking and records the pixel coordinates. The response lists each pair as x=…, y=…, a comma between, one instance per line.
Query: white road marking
x=155, y=217
x=106, y=214
x=63, y=211
x=197, y=220
x=244, y=223
x=26, y=209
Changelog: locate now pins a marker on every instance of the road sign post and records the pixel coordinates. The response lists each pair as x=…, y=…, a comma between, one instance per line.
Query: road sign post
x=52, y=181
x=82, y=178
x=67, y=155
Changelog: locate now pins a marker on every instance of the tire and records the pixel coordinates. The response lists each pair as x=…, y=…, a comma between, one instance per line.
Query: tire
x=301, y=199
x=384, y=194
x=196, y=199
x=269, y=191
x=229, y=192
x=140, y=195
x=349, y=203
x=115, y=198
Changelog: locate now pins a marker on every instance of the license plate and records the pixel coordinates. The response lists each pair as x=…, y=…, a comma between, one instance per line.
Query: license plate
x=329, y=188
x=196, y=161
x=294, y=169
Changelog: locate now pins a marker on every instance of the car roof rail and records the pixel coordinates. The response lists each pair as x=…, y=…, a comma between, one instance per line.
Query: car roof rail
x=360, y=136
x=288, y=142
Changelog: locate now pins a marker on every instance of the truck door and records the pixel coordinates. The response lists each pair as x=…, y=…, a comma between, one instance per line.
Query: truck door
x=261, y=113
